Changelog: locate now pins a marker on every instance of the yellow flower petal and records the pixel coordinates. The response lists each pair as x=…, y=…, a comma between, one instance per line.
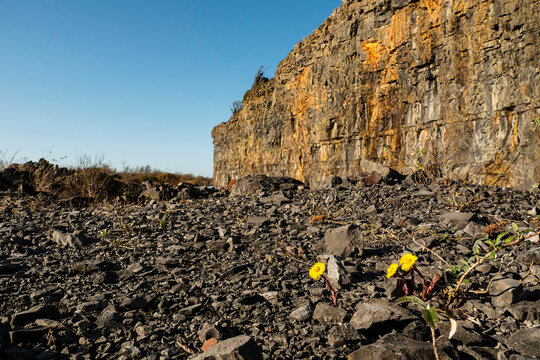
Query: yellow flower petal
x=407, y=261
x=317, y=270
x=391, y=270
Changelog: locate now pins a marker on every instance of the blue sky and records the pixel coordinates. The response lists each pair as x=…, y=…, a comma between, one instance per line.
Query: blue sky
x=137, y=82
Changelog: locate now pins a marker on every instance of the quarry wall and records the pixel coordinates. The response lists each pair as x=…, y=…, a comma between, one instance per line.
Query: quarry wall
x=405, y=83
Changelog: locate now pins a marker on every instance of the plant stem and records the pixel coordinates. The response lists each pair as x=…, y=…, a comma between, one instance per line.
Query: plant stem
x=478, y=262
x=334, y=298
x=434, y=343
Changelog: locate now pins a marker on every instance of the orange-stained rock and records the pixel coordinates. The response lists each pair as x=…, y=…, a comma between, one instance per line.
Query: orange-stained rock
x=231, y=184
x=402, y=82
x=209, y=343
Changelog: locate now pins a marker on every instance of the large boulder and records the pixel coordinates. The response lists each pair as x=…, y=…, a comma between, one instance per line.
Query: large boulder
x=344, y=240
x=255, y=184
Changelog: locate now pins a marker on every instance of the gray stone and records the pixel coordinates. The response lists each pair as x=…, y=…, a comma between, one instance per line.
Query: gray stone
x=88, y=306
x=303, y=313
x=474, y=229
x=344, y=240
x=394, y=347
x=530, y=256
x=108, y=317
x=254, y=184
x=382, y=170
x=379, y=313
x=525, y=342
x=464, y=333
x=34, y=313
x=191, y=310
x=143, y=331
x=372, y=179
x=342, y=334
x=27, y=335
x=457, y=219
x=505, y=291
x=276, y=199
x=258, y=221
x=67, y=239
x=217, y=245
x=328, y=182
x=329, y=314
x=336, y=273
x=152, y=194
x=241, y=347
x=209, y=331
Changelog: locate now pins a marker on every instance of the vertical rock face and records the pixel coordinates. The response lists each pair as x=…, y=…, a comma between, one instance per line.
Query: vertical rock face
x=404, y=82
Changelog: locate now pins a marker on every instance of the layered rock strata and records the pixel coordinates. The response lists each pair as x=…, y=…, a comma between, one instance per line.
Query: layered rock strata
x=403, y=82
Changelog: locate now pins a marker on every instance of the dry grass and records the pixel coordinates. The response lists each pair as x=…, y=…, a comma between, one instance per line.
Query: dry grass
x=146, y=173
x=94, y=178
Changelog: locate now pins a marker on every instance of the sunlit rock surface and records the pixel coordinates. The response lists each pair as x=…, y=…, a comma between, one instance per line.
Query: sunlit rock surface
x=402, y=82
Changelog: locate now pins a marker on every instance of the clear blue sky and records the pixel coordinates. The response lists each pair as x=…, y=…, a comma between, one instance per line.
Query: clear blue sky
x=139, y=82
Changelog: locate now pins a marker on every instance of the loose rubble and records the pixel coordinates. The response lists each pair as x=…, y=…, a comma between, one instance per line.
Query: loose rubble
x=218, y=276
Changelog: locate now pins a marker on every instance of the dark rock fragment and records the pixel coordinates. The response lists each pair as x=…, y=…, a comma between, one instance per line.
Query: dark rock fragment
x=27, y=335
x=505, y=291
x=254, y=184
x=382, y=315
x=394, y=347
x=36, y=312
x=329, y=314
x=239, y=347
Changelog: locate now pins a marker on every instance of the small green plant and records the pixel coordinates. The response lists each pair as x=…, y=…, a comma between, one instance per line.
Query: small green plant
x=119, y=242
x=163, y=220
x=503, y=240
x=236, y=107
x=106, y=234
x=431, y=316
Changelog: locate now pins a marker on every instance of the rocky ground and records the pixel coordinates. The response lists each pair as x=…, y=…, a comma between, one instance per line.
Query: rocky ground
x=169, y=279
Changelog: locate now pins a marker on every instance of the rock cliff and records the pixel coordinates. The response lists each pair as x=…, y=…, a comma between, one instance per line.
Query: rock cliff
x=452, y=83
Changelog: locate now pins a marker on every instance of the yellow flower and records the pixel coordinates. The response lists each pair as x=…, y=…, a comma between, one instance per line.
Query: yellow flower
x=391, y=270
x=317, y=270
x=407, y=261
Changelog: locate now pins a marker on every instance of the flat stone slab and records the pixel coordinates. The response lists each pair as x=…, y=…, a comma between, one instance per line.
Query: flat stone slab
x=378, y=313
x=329, y=314
x=236, y=348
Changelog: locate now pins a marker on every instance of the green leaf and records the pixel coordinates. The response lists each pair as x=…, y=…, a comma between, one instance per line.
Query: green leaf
x=414, y=299
x=476, y=250
x=492, y=254
x=510, y=239
x=515, y=227
x=430, y=315
x=501, y=235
